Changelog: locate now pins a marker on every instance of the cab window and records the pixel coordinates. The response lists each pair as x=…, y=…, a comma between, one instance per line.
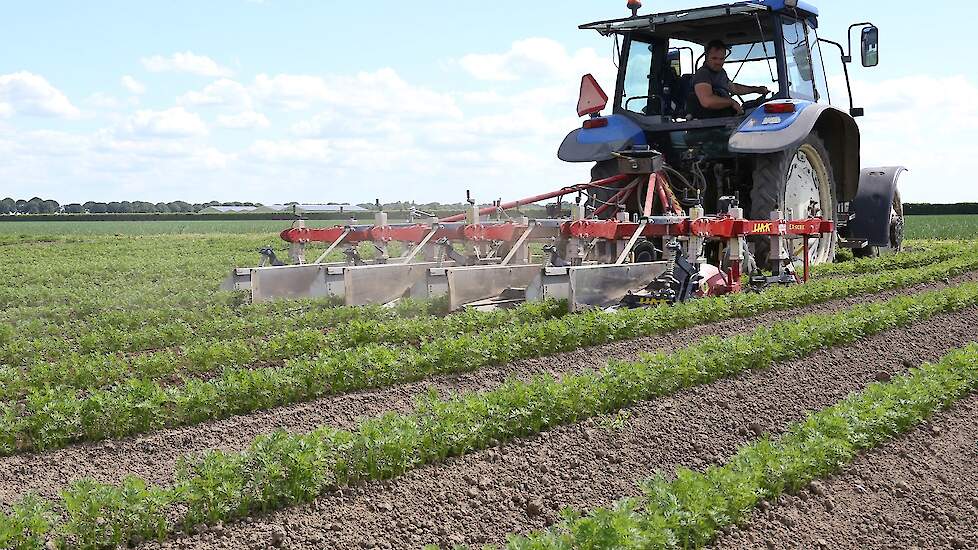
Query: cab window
x=818, y=67
x=635, y=89
x=798, y=54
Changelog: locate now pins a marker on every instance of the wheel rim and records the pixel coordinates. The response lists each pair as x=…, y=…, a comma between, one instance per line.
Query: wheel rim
x=896, y=224
x=807, y=194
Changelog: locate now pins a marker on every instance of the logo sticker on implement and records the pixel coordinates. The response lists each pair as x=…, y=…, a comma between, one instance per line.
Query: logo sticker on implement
x=762, y=227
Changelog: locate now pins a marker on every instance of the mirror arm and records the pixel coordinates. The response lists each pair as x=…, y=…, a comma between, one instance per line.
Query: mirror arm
x=845, y=68
x=847, y=56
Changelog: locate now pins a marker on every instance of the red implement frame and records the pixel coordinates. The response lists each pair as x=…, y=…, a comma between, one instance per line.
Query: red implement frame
x=530, y=200
x=722, y=227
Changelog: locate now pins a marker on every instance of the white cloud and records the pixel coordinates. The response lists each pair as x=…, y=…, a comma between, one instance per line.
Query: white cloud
x=379, y=93
x=30, y=94
x=246, y=120
x=288, y=151
x=220, y=93
x=186, y=62
x=921, y=122
x=335, y=124
x=501, y=141
x=133, y=85
x=533, y=58
x=104, y=101
x=171, y=123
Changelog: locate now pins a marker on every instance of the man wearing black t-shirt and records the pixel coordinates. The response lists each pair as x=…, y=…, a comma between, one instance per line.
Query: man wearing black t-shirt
x=712, y=87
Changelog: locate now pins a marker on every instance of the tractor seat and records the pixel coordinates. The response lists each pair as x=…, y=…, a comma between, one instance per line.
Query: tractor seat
x=684, y=86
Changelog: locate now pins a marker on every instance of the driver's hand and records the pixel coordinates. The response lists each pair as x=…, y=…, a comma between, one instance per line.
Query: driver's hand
x=761, y=90
x=737, y=107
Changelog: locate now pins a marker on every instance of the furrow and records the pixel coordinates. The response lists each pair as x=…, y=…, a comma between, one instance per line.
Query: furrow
x=154, y=457
x=919, y=491
x=518, y=487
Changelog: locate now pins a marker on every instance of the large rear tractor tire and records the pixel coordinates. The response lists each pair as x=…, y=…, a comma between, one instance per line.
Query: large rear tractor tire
x=798, y=182
x=896, y=233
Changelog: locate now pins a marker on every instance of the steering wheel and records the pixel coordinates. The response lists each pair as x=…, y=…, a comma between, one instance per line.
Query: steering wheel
x=754, y=103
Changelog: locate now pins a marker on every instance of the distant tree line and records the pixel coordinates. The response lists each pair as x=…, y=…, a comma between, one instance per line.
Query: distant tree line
x=38, y=205
x=924, y=209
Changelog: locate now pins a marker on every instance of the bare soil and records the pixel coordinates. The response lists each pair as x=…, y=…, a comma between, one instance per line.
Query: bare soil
x=154, y=456
x=920, y=491
x=520, y=486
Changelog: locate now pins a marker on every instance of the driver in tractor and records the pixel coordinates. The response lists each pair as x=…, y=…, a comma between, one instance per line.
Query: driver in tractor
x=712, y=88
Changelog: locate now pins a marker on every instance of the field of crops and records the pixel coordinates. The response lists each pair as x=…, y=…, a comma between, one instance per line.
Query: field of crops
x=141, y=407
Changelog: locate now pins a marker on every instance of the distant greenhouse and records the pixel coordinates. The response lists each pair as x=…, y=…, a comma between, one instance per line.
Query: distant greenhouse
x=265, y=210
x=285, y=208
x=309, y=208
x=226, y=209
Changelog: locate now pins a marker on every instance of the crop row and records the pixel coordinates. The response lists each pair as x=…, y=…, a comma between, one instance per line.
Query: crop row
x=52, y=419
x=927, y=256
x=689, y=510
x=77, y=371
x=168, y=327
x=67, y=284
x=282, y=469
x=149, y=327
x=125, y=329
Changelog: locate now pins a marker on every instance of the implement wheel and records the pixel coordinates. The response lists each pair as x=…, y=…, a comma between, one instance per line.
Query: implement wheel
x=799, y=182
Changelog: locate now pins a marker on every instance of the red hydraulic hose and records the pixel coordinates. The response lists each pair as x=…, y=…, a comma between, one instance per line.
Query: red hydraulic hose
x=621, y=196
x=530, y=200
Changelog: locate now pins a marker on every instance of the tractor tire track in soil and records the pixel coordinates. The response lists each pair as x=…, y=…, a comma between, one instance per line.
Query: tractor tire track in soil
x=154, y=456
x=520, y=486
x=919, y=491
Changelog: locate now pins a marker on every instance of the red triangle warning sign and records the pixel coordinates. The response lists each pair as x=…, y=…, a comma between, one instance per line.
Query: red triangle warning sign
x=593, y=99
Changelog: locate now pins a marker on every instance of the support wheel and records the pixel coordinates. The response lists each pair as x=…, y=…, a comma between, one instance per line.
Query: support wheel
x=645, y=252
x=798, y=182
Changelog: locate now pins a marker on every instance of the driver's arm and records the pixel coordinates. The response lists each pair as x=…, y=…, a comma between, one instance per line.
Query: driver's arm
x=709, y=100
x=740, y=89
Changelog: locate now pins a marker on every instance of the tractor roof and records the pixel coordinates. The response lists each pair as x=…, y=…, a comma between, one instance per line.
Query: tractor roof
x=733, y=23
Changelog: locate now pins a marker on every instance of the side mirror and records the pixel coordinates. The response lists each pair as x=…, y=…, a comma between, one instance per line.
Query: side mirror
x=870, y=46
x=592, y=99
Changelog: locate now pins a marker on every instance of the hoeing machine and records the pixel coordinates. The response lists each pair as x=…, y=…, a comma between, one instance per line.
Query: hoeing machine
x=678, y=206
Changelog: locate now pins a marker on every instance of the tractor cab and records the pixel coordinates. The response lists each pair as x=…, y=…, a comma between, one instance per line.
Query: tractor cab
x=790, y=150
x=769, y=45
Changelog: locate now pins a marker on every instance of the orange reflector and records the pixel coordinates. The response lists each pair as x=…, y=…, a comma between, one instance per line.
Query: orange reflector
x=592, y=123
x=779, y=108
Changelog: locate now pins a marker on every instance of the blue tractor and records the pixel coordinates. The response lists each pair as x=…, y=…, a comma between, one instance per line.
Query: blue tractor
x=790, y=151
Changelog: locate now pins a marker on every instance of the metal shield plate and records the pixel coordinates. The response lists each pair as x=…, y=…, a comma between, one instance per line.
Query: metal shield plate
x=605, y=285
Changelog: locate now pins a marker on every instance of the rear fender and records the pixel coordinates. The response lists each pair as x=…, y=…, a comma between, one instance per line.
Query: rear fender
x=869, y=212
x=597, y=144
x=763, y=133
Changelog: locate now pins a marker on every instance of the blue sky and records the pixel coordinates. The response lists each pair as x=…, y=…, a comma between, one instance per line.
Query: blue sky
x=280, y=100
